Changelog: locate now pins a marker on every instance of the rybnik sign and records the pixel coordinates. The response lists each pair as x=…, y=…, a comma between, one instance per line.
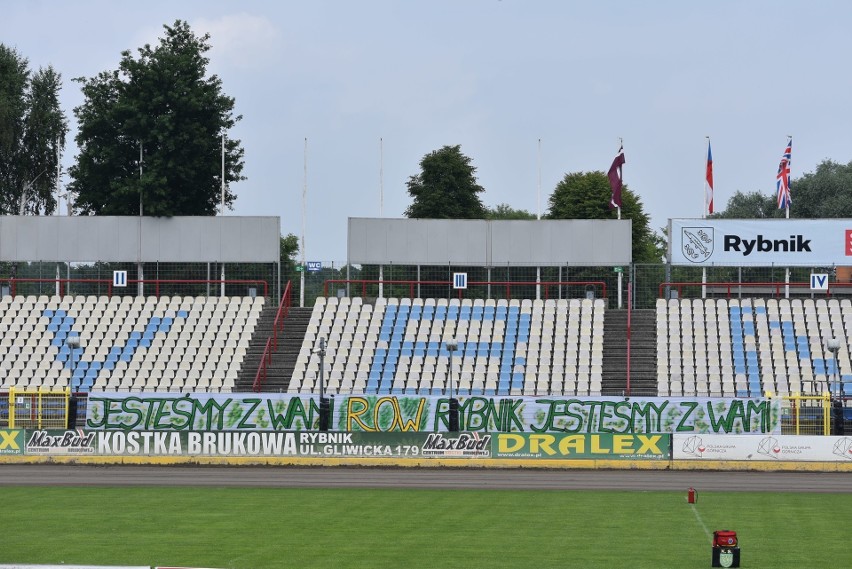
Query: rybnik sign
x=760, y=242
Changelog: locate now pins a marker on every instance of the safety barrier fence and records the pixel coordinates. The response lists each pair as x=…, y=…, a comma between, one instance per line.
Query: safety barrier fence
x=151, y=287
x=472, y=289
x=807, y=414
x=788, y=415
x=35, y=408
x=322, y=279
x=543, y=449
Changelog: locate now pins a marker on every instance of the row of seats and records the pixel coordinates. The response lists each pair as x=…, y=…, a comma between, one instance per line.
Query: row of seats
x=747, y=347
x=717, y=348
x=504, y=347
x=125, y=343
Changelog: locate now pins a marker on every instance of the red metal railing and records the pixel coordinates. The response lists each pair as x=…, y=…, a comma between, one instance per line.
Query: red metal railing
x=629, y=330
x=272, y=342
x=63, y=283
x=777, y=289
x=412, y=285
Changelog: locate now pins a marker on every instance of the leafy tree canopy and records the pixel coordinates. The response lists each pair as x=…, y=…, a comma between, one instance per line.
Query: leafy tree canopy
x=825, y=193
x=505, y=211
x=749, y=205
x=163, y=102
x=32, y=131
x=289, y=248
x=586, y=195
x=446, y=187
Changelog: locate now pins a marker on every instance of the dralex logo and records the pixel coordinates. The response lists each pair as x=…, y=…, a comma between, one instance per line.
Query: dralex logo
x=11, y=441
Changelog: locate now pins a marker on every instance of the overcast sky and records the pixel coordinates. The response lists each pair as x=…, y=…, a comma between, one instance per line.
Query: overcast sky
x=494, y=76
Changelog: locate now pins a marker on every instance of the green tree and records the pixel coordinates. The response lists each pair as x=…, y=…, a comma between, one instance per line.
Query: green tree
x=446, y=187
x=164, y=102
x=289, y=250
x=586, y=195
x=32, y=131
x=824, y=193
x=505, y=211
x=750, y=205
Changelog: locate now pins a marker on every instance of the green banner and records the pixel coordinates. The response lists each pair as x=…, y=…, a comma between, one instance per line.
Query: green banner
x=410, y=413
x=600, y=446
x=311, y=444
x=251, y=444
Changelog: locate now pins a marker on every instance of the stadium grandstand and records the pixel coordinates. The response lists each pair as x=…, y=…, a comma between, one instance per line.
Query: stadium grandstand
x=537, y=339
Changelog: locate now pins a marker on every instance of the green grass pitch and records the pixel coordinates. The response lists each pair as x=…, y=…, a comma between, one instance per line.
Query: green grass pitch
x=279, y=528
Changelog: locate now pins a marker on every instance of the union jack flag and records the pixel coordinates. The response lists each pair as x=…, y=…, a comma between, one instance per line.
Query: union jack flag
x=782, y=179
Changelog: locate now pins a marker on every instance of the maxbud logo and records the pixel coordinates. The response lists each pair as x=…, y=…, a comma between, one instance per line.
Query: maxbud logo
x=465, y=444
x=792, y=244
x=67, y=442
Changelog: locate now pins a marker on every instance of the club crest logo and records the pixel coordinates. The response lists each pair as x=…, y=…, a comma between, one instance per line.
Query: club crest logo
x=726, y=558
x=697, y=243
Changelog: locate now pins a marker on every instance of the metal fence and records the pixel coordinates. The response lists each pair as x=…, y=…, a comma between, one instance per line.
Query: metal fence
x=35, y=408
x=647, y=282
x=157, y=279
x=806, y=414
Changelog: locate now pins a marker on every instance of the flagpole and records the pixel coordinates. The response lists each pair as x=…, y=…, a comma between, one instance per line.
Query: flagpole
x=707, y=171
x=620, y=273
x=538, y=217
x=304, y=208
x=381, y=208
x=616, y=183
x=787, y=216
x=222, y=213
x=58, y=181
x=140, y=276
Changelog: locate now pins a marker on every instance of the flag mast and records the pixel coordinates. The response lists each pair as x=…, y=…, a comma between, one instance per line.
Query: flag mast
x=538, y=217
x=304, y=224
x=621, y=273
x=381, y=208
x=616, y=182
x=708, y=207
x=783, y=183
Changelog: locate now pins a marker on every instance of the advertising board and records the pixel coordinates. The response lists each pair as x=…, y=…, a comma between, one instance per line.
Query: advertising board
x=257, y=444
x=762, y=448
x=760, y=242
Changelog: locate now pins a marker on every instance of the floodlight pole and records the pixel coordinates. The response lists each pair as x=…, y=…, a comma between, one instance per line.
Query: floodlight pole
x=453, y=345
x=324, y=405
x=321, y=353
x=73, y=342
x=836, y=401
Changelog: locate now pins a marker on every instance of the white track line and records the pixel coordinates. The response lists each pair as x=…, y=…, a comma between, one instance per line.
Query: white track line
x=700, y=521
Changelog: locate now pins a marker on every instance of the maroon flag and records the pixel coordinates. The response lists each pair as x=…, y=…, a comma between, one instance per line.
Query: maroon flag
x=708, y=177
x=614, y=176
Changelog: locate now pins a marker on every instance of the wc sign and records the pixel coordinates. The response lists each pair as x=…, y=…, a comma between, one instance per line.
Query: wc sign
x=119, y=278
x=819, y=281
